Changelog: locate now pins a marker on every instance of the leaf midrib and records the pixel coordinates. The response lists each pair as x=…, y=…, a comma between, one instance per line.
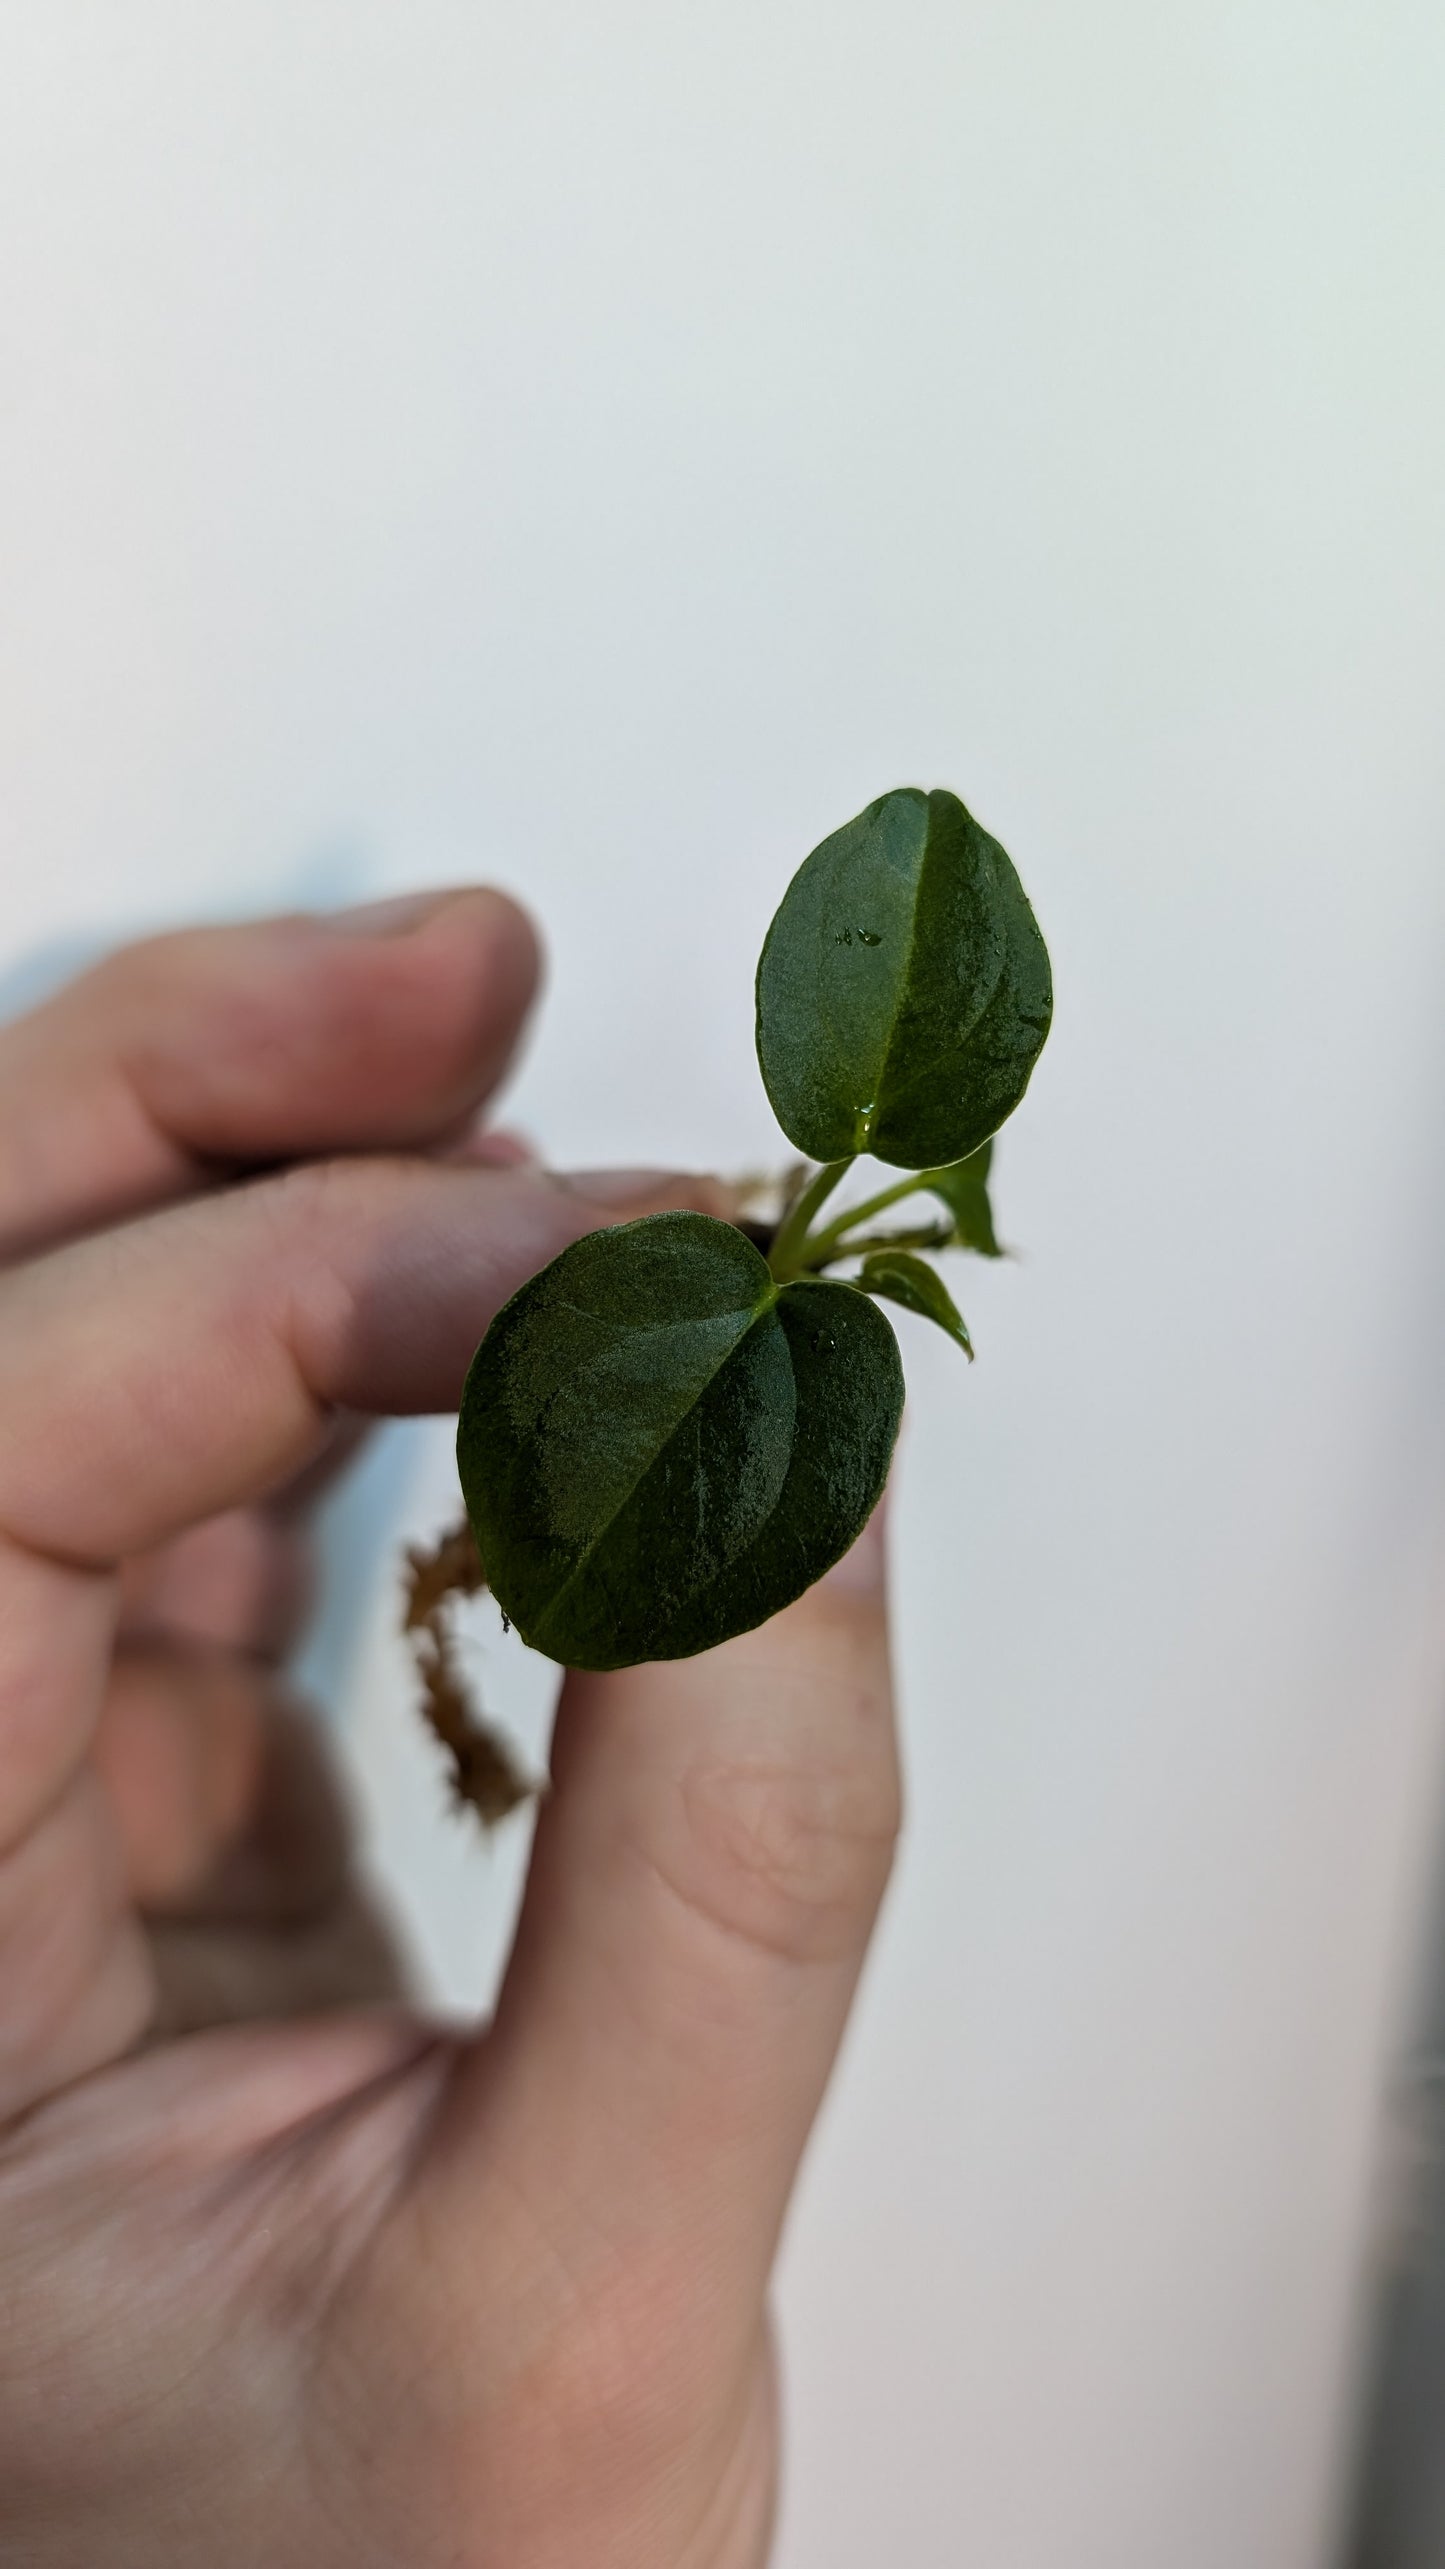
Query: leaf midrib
x=925, y=1069
x=583, y=1561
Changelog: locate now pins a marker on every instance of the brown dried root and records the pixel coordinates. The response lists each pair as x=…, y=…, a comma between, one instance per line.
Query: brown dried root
x=484, y=1771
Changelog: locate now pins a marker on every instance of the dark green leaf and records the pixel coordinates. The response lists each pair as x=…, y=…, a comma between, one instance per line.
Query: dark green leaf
x=659, y=1448
x=901, y=1277
x=964, y=1189
x=903, y=991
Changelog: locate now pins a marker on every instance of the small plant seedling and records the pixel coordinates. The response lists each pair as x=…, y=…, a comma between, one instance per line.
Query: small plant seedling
x=681, y=1423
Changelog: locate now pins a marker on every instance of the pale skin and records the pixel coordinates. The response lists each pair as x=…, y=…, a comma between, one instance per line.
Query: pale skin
x=292, y=2276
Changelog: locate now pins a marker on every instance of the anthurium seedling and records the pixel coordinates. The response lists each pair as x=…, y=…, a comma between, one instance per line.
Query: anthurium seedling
x=676, y=1427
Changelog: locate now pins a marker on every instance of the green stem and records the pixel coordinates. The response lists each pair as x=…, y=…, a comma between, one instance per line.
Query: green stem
x=784, y=1259
x=933, y=1235
x=826, y=1243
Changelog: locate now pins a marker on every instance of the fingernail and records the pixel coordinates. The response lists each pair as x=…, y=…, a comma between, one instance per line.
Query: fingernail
x=489, y=1148
x=863, y=1570
x=392, y=918
x=614, y=1189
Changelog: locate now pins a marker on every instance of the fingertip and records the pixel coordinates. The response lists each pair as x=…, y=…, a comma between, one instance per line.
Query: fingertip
x=627, y=1194
x=862, y=1570
x=378, y=1027
x=507, y=944
x=415, y=914
x=834, y=1637
x=467, y=967
x=487, y=1146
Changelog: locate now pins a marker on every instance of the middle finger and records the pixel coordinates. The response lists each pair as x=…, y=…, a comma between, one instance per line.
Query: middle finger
x=187, y=1055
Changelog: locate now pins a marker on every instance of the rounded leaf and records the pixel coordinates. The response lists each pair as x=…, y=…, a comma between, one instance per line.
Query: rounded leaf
x=903, y=992
x=659, y=1448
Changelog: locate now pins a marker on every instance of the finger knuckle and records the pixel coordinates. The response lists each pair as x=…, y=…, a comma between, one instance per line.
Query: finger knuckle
x=793, y=1854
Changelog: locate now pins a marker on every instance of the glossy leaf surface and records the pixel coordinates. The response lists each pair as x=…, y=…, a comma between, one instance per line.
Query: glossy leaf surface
x=659, y=1447
x=902, y=1278
x=964, y=1189
x=903, y=993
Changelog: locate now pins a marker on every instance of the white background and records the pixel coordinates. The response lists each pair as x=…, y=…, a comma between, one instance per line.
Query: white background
x=600, y=447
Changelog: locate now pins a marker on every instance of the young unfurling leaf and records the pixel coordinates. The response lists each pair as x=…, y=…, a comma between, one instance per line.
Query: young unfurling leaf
x=964, y=1189
x=902, y=1278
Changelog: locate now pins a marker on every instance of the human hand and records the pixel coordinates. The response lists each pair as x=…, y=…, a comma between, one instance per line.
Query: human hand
x=292, y=2277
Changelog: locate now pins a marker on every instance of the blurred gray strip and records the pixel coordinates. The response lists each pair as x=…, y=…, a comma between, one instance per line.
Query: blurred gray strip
x=1398, y=2517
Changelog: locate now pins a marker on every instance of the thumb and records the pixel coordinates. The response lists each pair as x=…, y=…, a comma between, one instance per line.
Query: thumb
x=705, y=1878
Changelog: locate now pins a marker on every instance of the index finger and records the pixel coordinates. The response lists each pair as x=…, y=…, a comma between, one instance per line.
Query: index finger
x=192, y=1361
x=165, y=1371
